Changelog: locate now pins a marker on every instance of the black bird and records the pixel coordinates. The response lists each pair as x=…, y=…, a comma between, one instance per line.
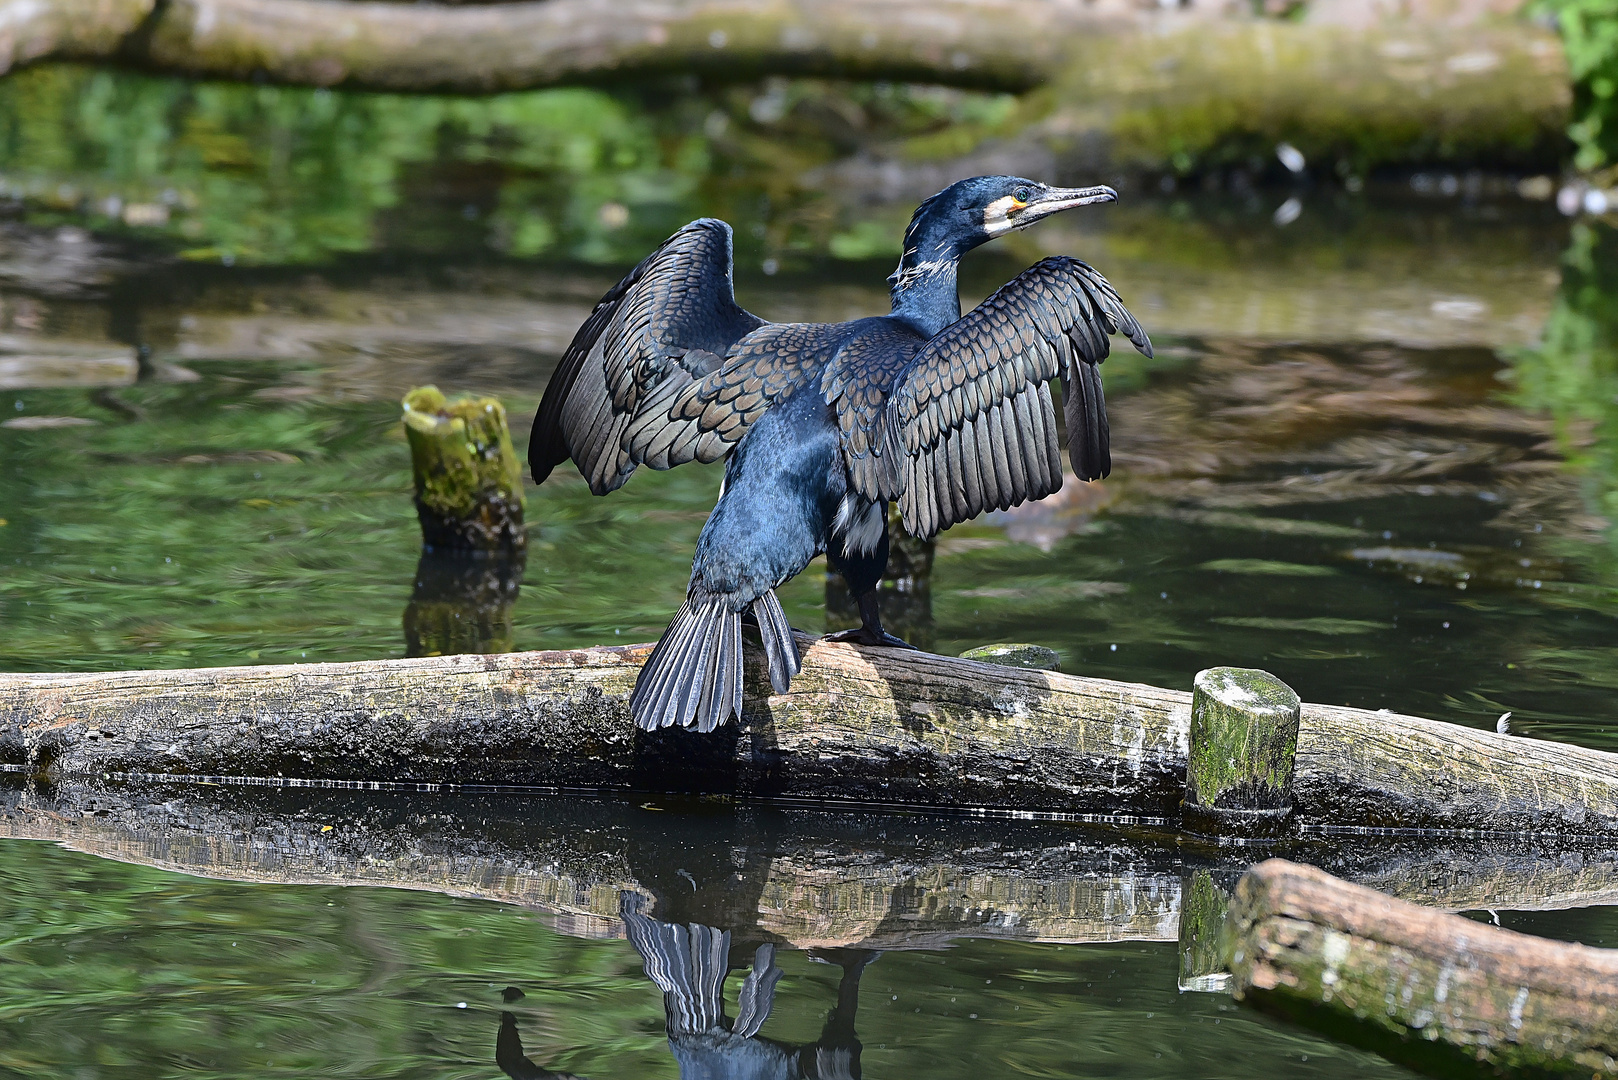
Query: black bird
x=823, y=424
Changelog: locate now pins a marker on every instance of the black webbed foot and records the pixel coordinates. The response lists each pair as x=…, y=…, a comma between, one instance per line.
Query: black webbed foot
x=865, y=635
x=870, y=631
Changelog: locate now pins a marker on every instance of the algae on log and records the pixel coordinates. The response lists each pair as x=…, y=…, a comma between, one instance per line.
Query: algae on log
x=1419, y=986
x=1225, y=94
x=467, y=475
x=862, y=724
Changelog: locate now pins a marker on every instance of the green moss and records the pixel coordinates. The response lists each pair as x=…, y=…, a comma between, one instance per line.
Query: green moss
x=1228, y=95
x=1020, y=655
x=1244, y=737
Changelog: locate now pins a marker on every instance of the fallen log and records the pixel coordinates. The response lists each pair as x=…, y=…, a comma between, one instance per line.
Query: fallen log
x=1434, y=990
x=1182, y=91
x=874, y=726
x=804, y=878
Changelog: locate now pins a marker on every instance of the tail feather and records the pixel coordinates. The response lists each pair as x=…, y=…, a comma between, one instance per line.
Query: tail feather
x=688, y=963
x=779, y=644
x=694, y=676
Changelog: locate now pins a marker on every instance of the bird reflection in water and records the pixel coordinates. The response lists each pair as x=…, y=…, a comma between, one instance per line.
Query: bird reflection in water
x=690, y=964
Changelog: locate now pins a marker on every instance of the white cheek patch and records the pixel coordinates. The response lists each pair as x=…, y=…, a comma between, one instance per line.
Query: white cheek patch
x=997, y=215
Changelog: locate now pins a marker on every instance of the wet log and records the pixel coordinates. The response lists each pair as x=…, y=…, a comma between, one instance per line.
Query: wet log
x=876, y=726
x=480, y=48
x=1434, y=990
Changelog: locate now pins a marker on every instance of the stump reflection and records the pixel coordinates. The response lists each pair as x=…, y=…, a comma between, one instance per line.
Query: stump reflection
x=462, y=603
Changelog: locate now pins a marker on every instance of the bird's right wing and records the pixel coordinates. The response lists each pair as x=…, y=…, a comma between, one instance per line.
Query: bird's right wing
x=970, y=417
x=673, y=316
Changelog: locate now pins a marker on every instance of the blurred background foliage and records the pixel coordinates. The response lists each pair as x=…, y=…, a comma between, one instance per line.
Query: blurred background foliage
x=1589, y=31
x=285, y=175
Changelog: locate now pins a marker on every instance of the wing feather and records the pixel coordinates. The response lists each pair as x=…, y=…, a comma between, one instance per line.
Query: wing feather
x=671, y=319
x=972, y=411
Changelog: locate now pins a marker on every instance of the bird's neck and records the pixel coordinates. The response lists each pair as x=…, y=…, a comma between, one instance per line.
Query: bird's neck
x=924, y=290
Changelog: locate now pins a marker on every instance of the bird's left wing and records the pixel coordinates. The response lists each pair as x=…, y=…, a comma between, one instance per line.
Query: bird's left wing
x=674, y=316
x=970, y=418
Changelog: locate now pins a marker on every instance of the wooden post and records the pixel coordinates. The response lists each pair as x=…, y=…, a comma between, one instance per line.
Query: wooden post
x=468, y=478
x=1243, y=741
x=1441, y=992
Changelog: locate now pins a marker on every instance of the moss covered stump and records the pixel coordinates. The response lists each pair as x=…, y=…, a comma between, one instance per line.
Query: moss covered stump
x=467, y=475
x=1243, y=743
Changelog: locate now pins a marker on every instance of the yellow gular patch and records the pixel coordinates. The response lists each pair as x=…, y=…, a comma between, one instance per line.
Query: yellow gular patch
x=997, y=215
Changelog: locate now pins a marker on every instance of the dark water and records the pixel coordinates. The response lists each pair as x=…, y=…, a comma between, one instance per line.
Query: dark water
x=1375, y=455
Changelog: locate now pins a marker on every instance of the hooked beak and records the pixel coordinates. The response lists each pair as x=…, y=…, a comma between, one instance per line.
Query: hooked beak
x=1055, y=200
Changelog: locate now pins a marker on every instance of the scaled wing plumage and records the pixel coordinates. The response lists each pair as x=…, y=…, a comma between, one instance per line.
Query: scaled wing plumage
x=674, y=317
x=970, y=416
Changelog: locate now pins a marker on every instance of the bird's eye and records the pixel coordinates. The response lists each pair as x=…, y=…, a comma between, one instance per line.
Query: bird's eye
x=1022, y=194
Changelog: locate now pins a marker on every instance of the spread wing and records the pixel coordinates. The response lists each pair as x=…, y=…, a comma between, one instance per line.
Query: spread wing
x=699, y=418
x=673, y=316
x=857, y=383
x=971, y=418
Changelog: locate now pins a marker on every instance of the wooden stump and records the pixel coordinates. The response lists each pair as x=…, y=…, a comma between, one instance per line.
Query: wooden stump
x=1243, y=742
x=1437, y=991
x=468, y=478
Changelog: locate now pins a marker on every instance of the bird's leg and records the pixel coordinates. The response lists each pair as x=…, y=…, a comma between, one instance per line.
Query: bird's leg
x=870, y=631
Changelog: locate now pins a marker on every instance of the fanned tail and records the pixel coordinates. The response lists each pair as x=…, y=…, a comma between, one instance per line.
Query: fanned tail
x=694, y=676
x=779, y=645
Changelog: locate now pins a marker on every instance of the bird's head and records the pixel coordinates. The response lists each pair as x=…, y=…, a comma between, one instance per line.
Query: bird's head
x=971, y=212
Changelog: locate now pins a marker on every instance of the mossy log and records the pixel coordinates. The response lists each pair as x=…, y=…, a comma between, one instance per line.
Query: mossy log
x=1435, y=990
x=803, y=877
x=1176, y=90
x=864, y=725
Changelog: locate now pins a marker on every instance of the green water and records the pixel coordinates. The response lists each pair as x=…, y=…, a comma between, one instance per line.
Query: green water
x=1376, y=454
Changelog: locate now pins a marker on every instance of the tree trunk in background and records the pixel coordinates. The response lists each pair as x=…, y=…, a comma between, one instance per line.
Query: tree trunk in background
x=1169, y=89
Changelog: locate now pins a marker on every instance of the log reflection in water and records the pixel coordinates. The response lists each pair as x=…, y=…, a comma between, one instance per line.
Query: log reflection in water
x=801, y=879
x=462, y=603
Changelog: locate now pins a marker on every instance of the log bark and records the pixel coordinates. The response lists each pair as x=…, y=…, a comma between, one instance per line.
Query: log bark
x=998, y=44
x=876, y=726
x=1435, y=990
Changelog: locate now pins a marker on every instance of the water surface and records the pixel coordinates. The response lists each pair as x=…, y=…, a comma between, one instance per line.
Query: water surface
x=1374, y=455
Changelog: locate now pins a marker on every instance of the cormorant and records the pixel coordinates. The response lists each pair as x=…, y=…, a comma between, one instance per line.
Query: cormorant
x=823, y=424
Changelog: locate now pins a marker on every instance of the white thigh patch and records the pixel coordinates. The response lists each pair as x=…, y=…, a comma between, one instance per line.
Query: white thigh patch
x=859, y=522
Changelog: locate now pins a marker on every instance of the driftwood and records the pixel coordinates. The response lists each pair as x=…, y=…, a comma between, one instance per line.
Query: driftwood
x=875, y=726
x=803, y=878
x=1432, y=989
